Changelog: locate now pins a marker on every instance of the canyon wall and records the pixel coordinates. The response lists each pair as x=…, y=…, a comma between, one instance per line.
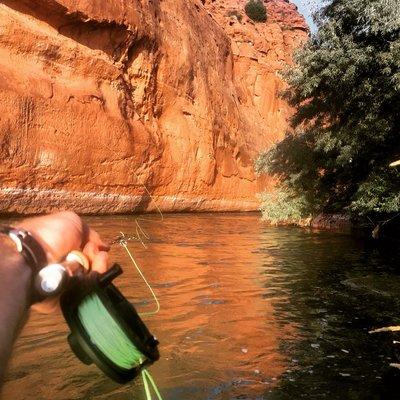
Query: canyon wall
x=119, y=106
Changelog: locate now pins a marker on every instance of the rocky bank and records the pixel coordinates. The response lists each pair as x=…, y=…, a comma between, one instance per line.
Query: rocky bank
x=104, y=102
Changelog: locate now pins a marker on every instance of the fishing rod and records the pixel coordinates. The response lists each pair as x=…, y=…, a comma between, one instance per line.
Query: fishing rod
x=105, y=328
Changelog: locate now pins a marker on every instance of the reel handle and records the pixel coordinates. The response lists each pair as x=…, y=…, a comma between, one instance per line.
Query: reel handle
x=52, y=279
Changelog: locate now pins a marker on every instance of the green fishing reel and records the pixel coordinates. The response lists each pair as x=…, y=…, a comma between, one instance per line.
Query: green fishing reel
x=105, y=328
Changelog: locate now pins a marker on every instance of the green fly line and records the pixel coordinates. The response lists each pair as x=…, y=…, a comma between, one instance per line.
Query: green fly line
x=127, y=355
x=107, y=335
x=135, y=264
x=120, y=350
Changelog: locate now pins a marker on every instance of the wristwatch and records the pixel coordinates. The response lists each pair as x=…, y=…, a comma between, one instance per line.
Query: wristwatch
x=28, y=247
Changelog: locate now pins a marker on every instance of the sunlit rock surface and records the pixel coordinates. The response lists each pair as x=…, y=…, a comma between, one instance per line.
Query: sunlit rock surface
x=99, y=99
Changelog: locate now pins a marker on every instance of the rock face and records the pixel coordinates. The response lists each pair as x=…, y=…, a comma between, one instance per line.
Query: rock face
x=103, y=103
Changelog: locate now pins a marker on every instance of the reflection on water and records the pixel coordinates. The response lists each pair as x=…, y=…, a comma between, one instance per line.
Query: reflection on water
x=248, y=312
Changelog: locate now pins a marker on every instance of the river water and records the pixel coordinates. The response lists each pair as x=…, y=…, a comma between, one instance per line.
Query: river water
x=247, y=312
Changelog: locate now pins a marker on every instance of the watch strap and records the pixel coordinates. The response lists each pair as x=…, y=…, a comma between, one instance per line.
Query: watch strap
x=27, y=246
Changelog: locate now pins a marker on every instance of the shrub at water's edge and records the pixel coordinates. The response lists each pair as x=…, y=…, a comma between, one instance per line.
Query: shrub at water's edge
x=346, y=87
x=282, y=207
x=256, y=10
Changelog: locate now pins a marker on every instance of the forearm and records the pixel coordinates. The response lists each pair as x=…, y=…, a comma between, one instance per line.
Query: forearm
x=15, y=284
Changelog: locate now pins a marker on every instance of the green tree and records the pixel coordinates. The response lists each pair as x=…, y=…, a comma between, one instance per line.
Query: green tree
x=346, y=131
x=256, y=10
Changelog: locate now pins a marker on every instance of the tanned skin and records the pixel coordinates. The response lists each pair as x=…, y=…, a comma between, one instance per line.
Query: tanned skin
x=58, y=234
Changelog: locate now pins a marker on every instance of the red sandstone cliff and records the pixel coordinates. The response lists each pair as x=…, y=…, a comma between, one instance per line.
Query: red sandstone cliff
x=100, y=97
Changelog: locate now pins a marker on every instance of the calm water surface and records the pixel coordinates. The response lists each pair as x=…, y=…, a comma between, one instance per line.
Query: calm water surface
x=248, y=312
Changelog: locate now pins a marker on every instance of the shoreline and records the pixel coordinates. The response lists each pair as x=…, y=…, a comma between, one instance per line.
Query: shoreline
x=17, y=201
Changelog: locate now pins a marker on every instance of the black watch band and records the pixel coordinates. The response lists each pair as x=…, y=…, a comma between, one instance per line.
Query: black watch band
x=27, y=246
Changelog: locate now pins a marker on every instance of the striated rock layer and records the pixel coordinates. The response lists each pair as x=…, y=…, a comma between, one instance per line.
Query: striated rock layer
x=105, y=102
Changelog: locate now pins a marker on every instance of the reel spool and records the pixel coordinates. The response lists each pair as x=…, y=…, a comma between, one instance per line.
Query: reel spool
x=105, y=328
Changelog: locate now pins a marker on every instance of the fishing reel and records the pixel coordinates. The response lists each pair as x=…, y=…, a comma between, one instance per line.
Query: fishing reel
x=106, y=330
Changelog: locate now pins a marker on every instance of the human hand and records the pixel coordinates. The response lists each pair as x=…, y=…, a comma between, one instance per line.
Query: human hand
x=59, y=234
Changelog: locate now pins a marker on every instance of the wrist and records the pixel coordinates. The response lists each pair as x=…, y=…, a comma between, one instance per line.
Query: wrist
x=27, y=246
x=10, y=255
x=13, y=267
x=24, y=256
